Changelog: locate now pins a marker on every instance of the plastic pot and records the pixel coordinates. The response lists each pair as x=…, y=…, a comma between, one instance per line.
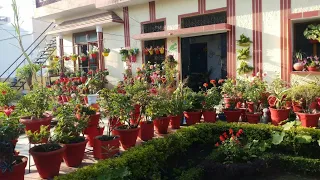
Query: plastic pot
x=253, y=118
x=18, y=170
x=105, y=149
x=91, y=133
x=73, y=154
x=209, y=116
x=309, y=120
x=92, y=98
x=161, y=125
x=175, y=121
x=232, y=115
x=279, y=115
x=128, y=137
x=146, y=130
x=192, y=117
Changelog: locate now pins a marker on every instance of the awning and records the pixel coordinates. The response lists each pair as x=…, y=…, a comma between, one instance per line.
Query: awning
x=87, y=23
x=186, y=32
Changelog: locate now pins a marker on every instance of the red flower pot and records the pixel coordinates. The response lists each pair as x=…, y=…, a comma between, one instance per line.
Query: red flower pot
x=73, y=154
x=312, y=68
x=91, y=133
x=250, y=107
x=232, y=115
x=253, y=118
x=278, y=115
x=228, y=102
x=146, y=130
x=209, y=116
x=83, y=79
x=93, y=56
x=18, y=170
x=133, y=58
x=175, y=121
x=192, y=117
x=34, y=124
x=308, y=120
x=83, y=58
x=47, y=163
x=128, y=137
x=161, y=125
x=105, y=149
x=243, y=114
x=94, y=120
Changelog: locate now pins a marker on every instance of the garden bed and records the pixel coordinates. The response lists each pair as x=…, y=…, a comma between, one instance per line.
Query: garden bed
x=169, y=157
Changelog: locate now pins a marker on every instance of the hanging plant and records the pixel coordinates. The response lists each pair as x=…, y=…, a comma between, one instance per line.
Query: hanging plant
x=151, y=51
x=157, y=50
x=74, y=57
x=312, y=32
x=244, y=68
x=243, y=54
x=244, y=40
x=55, y=58
x=133, y=54
x=146, y=51
x=93, y=53
x=106, y=52
x=124, y=54
x=83, y=57
x=161, y=50
x=66, y=58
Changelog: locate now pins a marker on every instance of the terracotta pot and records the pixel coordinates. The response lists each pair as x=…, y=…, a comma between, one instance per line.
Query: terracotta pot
x=312, y=68
x=18, y=170
x=253, y=118
x=83, y=80
x=146, y=130
x=232, y=115
x=209, y=116
x=35, y=124
x=105, y=149
x=91, y=133
x=161, y=125
x=175, y=121
x=128, y=137
x=250, y=107
x=73, y=154
x=47, y=163
x=279, y=115
x=309, y=120
x=192, y=117
x=298, y=66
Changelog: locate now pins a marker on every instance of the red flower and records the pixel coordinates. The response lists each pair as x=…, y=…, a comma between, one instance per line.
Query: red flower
x=8, y=111
x=225, y=135
x=239, y=132
x=230, y=131
x=217, y=144
x=12, y=107
x=222, y=138
x=153, y=91
x=220, y=81
x=205, y=84
x=272, y=101
x=213, y=81
x=4, y=92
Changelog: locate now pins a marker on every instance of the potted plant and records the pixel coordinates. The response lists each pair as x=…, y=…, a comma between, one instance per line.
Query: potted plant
x=150, y=51
x=33, y=106
x=313, y=63
x=146, y=51
x=133, y=54
x=7, y=95
x=106, y=52
x=244, y=40
x=73, y=57
x=306, y=95
x=212, y=98
x=96, y=81
x=157, y=109
x=66, y=58
x=157, y=50
x=277, y=101
x=312, y=32
x=83, y=57
x=299, y=62
x=26, y=72
x=192, y=105
x=124, y=54
x=55, y=58
x=244, y=53
x=244, y=68
x=67, y=132
x=39, y=137
x=176, y=109
x=93, y=52
x=161, y=49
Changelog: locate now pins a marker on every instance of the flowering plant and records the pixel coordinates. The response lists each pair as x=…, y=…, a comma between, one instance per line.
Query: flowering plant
x=313, y=61
x=255, y=91
x=10, y=128
x=212, y=96
x=7, y=94
x=279, y=92
x=192, y=100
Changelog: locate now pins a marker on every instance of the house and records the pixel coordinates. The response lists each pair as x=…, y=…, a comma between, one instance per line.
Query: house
x=201, y=34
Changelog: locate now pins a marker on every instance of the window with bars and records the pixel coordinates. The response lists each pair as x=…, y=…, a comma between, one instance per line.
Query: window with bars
x=153, y=27
x=203, y=20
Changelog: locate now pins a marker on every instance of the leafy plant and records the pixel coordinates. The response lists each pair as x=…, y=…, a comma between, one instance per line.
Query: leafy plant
x=124, y=54
x=157, y=107
x=305, y=94
x=7, y=94
x=244, y=53
x=10, y=127
x=212, y=97
x=312, y=32
x=7, y=158
x=244, y=40
x=279, y=92
x=192, y=100
x=255, y=92
x=38, y=137
x=114, y=173
x=85, y=110
x=106, y=50
x=312, y=61
x=244, y=68
x=94, y=50
x=169, y=72
x=27, y=71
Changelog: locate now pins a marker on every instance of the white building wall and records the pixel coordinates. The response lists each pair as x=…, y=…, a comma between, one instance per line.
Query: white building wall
x=215, y=4
x=298, y=6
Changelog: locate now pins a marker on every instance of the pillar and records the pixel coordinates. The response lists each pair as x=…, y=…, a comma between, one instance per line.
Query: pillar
x=61, y=52
x=100, y=46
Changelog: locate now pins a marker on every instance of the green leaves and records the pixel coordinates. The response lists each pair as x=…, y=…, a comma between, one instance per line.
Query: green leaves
x=304, y=139
x=277, y=137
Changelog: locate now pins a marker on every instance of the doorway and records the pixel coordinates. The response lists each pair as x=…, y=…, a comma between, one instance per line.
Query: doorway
x=203, y=58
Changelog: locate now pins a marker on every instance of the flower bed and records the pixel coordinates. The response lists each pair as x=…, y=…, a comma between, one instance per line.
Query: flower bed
x=162, y=158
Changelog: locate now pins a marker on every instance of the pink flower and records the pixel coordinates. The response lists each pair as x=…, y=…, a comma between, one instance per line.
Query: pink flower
x=8, y=111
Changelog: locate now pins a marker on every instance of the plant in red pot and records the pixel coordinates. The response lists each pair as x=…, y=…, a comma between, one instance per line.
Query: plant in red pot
x=67, y=132
x=313, y=63
x=176, y=110
x=307, y=94
x=7, y=94
x=192, y=105
x=94, y=52
x=277, y=101
x=32, y=107
x=212, y=98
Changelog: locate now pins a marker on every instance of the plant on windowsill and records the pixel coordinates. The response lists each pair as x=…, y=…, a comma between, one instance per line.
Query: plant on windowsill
x=124, y=54
x=151, y=50
x=162, y=50
x=299, y=62
x=94, y=52
x=66, y=58
x=55, y=58
x=212, y=98
x=83, y=57
x=133, y=54
x=313, y=63
x=244, y=53
x=106, y=52
x=312, y=32
x=244, y=68
x=244, y=40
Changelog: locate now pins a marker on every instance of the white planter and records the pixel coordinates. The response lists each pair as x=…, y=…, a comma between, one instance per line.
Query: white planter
x=92, y=98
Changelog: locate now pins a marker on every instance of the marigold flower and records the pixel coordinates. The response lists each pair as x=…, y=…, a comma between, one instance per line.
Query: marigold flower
x=205, y=84
x=217, y=144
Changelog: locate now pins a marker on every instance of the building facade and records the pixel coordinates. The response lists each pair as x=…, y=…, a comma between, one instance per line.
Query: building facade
x=201, y=34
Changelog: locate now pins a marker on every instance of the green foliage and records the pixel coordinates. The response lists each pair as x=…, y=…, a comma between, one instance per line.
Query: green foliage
x=170, y=71
x=307, y=93
x=157, y=107
x=192, y=100
x=177, y=101
x=112, y=174
x=10, y=128
x=244, y=68
x=312, y=32
x=37, y=137
x=124, y=54
x=212, y=98
x=279, y=92
x=244, y=53
x=7, y=94
x=106, y=50
x=244, y=40
x=26, y=71
x=192, y=174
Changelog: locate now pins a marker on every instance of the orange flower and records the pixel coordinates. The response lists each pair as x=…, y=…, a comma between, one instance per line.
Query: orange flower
x=205, y=84
x=213, y=81
x=230, y=131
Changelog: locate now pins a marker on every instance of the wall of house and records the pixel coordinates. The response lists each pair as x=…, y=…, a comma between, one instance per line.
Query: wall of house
x=304, y=6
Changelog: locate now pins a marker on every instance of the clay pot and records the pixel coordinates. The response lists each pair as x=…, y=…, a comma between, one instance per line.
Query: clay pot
x=146, y=132
x=312, y=68
x=128, y=137
x=47, y=163
x=279, y=115
x=253, y=118
x=192, y=117
x=105, y=149
x=73, y=154
x=18, y=170
x=232, y=115
x=161, y=125
x=175, y=121
x=298, y=66
x=309, y=120
x=209, y=116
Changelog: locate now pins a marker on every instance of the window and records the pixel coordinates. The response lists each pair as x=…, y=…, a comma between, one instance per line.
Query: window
x=155, y=58
x=153, y=27
x=84, y=38
x=203, y=20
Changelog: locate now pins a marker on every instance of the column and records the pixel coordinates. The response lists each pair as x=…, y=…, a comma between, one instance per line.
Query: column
x=100, y=46
x=61, y=52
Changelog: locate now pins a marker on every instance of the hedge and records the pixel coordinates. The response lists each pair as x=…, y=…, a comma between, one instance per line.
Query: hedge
x=153, y=159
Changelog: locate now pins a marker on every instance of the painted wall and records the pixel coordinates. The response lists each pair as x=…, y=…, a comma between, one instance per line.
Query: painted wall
x=304, y=5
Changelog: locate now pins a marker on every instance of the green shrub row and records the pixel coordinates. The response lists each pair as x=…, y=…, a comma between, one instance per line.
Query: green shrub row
x=155, y=158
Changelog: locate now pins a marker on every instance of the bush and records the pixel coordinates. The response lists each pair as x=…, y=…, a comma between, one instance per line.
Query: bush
x=156, y=159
